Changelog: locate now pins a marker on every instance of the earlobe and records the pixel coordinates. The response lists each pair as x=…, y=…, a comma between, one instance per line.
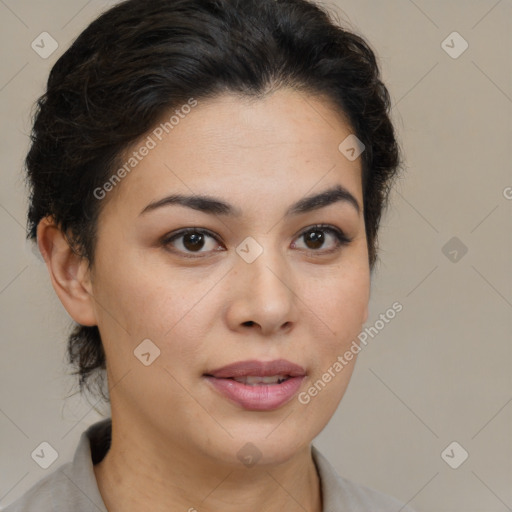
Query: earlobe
x=68, y=271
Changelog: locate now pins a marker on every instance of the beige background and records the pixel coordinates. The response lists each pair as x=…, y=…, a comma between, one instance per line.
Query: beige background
x=439, y=372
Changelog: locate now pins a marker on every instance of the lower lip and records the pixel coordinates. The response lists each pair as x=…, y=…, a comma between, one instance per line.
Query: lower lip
x=261, y=397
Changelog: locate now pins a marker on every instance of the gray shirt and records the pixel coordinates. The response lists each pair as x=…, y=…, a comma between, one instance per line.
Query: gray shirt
x=73, y=487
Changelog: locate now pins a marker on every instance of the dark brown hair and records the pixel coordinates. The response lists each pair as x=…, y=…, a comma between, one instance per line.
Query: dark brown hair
x=141, y=59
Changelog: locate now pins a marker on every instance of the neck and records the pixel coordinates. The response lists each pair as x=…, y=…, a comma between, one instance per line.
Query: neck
x=137, y=475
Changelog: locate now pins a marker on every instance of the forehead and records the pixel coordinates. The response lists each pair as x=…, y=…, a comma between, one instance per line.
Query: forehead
x=241, y=148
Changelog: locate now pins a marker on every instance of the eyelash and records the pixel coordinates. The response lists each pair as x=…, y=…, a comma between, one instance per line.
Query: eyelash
x=341, y=239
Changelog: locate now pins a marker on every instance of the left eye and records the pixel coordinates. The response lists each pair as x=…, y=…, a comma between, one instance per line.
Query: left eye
x=315, y=238
x=193, y=240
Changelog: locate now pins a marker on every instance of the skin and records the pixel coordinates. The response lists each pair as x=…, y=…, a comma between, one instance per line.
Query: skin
x=175, y=439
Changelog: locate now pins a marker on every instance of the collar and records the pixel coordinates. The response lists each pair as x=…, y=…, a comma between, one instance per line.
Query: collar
x=337, y=493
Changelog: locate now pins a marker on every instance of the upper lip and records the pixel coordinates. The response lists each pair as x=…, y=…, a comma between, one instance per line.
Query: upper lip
x=258, y=369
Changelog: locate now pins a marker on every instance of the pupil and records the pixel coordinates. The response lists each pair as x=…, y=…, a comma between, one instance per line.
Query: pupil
x=316, y=237
x=193, y=241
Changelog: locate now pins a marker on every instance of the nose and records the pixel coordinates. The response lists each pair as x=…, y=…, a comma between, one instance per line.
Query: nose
x=263, y=295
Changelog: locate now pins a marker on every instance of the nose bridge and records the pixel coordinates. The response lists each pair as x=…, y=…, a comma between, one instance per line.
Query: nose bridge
x=264, y=284
x=264, y=262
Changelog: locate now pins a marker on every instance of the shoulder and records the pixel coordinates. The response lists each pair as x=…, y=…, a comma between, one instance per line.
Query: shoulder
x=72, y=486
x=342, y=494
x=44, y=494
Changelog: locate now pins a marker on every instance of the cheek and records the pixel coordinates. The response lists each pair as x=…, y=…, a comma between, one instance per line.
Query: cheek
x=144, y=299
x=339, y=300
x=341, y=307
x=340, y=304
x=139, y=301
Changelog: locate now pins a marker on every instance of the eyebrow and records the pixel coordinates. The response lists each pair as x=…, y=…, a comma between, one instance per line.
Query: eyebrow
x=213, y=205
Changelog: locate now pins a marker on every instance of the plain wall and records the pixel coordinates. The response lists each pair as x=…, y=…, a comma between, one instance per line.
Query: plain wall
x=439, y=372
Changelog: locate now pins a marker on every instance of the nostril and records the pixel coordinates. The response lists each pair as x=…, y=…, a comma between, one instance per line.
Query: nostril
x=249, y=323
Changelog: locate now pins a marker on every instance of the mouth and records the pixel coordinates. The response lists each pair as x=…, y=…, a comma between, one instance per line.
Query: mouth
x=279, y=368
x=256, y=385
x=254, y=380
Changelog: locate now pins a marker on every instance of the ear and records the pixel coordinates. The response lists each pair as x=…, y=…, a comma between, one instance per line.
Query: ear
x=69, y=272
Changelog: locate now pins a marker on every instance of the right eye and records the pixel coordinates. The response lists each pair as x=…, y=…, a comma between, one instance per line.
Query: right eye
x=189, y=241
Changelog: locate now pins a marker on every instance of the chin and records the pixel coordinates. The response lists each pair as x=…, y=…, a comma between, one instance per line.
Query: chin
x=251, y=445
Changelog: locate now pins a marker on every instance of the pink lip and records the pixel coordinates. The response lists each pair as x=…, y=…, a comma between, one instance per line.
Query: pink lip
x=258, y=369
x=260, y=397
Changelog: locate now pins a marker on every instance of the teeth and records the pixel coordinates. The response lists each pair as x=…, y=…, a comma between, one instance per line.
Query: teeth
x=252, y=381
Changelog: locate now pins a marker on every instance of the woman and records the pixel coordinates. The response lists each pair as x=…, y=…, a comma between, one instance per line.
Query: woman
x=207, y=182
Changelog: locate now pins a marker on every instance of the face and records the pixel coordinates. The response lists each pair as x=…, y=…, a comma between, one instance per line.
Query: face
x=253, y=279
